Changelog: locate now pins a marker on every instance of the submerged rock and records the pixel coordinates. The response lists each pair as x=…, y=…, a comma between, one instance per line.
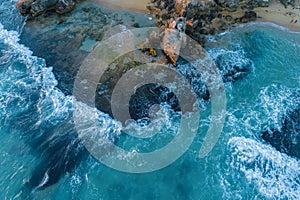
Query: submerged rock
x=287, y=139
x=147, y=96
x=233, y=68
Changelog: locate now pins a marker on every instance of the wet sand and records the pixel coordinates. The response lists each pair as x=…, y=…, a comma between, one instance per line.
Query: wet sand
x=130, y=5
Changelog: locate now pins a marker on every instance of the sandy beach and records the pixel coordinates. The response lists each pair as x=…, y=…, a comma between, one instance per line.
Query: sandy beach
x=130, y=5
x=288, y=17
x=276, y=13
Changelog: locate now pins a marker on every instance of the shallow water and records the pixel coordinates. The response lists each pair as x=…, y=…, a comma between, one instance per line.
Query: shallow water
x=241, y=166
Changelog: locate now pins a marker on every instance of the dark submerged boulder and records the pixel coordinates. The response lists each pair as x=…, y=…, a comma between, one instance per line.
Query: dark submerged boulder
x=286, y=140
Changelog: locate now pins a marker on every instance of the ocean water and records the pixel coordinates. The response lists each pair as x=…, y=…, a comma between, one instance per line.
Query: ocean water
x=241, y=165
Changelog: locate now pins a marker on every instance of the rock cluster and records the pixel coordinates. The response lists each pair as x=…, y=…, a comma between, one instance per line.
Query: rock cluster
x=232, y=5
x=36, y=7
x=288, y=2
x=204, y=17
x=198, y=18
x=208, y=16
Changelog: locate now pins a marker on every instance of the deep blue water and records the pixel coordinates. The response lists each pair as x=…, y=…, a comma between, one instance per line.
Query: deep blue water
x=241, y=166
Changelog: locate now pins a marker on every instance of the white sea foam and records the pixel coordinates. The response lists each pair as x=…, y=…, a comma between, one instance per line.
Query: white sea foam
x=274, y=174
x=10, y=17
x=28, y=90
x=53, y=105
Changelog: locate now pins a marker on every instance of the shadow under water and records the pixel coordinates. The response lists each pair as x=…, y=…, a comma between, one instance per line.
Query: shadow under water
x=57, y=147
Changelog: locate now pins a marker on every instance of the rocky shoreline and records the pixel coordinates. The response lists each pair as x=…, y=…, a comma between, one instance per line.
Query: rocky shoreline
x=199, y=17
x=202, y=16
x=214, y=16
x=66, y=38
x=196, y=18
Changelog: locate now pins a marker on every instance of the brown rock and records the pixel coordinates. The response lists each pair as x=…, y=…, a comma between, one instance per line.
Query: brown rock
x=64, y=6
x=171, y=44
x=24, y=6
x=153, y=52
x=144, y=45
x=59, y=21
x=180, y=6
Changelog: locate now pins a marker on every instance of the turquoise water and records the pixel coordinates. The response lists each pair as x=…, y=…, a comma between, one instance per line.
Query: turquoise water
x=241, y=166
